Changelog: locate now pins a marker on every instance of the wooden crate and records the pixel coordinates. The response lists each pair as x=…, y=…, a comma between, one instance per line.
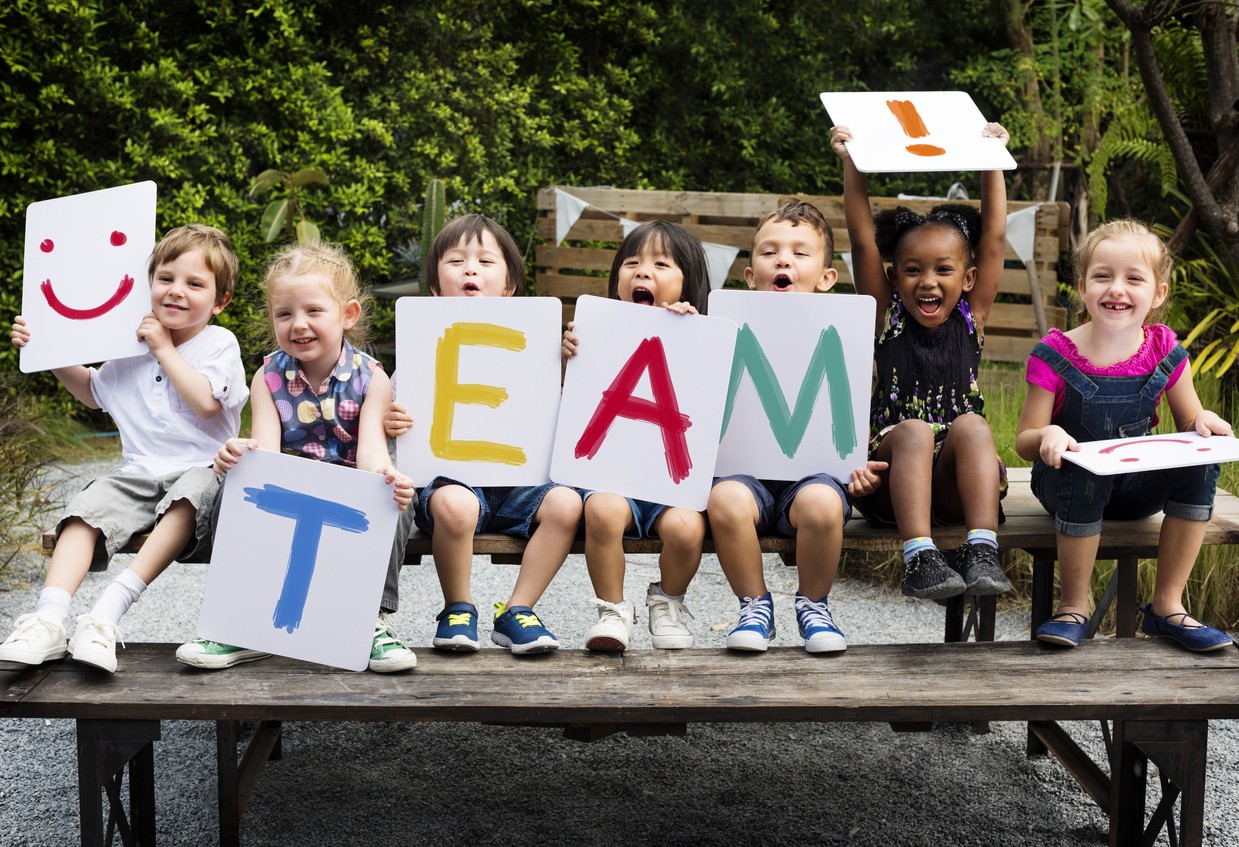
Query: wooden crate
x=581, y=263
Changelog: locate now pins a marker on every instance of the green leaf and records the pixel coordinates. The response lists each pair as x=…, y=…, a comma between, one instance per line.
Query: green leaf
x=265, y=181
x=309, y=176
x=306, y=232
x=274, y=219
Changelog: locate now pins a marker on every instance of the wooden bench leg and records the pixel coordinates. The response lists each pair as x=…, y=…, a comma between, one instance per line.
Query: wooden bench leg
x=236, y=782
x=1041, y=608
x=1126, y=570
x=1178, y=748
x=104, y=749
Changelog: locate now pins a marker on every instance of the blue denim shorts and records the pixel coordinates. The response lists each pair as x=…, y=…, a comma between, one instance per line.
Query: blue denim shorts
x=644, y=513
x=504, y=509
x=774, y=499
x=1079, y=500
x=124, y=505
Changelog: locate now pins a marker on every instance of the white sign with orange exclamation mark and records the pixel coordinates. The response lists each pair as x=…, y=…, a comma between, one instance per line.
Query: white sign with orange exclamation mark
x=900, y=131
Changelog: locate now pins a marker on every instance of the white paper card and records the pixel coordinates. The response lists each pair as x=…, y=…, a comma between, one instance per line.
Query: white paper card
x=1153, y=452
x=804, y=364
x=903, y=131
x=483, y=387
x=85, y=287
x=299, y=559
x=643, y=402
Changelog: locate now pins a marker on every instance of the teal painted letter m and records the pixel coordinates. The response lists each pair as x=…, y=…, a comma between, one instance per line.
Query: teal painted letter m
x=789, y=426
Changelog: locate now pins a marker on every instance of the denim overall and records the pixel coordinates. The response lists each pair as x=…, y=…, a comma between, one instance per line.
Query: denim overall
x=1102, y=407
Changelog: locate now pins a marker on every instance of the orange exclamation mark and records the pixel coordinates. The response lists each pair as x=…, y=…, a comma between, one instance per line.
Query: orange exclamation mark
x=905, y=112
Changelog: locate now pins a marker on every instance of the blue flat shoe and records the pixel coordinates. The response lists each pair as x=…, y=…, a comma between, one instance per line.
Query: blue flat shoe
x=1066, y=629
x=1199, y=638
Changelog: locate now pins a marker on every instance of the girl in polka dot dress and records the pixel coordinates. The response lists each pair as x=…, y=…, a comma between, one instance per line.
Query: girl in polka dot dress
x=310, y=399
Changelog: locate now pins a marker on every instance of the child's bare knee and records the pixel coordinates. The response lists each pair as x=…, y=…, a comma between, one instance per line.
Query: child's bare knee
x=560, y=507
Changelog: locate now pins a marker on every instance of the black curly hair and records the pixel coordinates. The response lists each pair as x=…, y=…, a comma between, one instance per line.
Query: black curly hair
x=891, y=225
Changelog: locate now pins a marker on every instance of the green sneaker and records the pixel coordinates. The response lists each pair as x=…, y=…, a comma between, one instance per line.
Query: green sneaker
x=215, y=656
x=387, y=652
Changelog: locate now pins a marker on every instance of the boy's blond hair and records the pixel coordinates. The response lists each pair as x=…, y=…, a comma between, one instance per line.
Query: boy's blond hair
x=216, y=249
x=329, y=260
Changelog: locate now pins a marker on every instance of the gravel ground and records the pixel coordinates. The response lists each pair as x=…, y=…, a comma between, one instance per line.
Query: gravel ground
x=847, y=784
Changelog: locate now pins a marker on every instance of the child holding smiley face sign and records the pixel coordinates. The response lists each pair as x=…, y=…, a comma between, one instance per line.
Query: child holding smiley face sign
x=172, y=407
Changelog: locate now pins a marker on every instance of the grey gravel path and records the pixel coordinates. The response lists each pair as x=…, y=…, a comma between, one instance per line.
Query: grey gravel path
x=362, y=784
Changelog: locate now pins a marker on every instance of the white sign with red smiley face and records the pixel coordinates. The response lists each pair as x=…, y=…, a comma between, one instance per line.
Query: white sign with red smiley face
x=85, y=286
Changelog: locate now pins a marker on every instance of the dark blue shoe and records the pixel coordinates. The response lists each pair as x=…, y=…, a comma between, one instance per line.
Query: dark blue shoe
x=519, y=629
x=1067, y=629
x=458, y=628
x=755, y=630
x=1195, y=636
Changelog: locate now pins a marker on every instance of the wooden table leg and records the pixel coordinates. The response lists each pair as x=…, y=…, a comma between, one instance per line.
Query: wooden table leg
x=1178, y=748
x=104, y=749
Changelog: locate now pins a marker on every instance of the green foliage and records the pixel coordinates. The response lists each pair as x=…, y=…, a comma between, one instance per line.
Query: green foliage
x=213, y=98
x=1134, y=135
x=284, y=215
x=1205, y=300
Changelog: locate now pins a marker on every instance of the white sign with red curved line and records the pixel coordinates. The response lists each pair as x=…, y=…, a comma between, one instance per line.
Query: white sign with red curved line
x=1153, y=452
x=85, y=287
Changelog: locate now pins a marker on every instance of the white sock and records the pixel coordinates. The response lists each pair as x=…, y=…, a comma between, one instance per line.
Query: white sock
x=53, y=603
x=118, y=597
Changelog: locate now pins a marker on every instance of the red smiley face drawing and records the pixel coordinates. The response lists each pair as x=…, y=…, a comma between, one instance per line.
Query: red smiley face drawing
x=117, y=239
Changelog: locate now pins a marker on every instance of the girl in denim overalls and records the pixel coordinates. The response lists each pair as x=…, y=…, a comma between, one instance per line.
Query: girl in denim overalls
x=1104, y=379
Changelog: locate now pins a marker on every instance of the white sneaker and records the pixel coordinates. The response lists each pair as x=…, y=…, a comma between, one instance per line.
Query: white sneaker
x=35, y=640
x=387, y=652
x=614, y=628
x=94, y=642
x=668, y=625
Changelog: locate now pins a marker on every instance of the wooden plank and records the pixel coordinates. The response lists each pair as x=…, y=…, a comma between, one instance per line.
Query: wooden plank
x=1006, y=681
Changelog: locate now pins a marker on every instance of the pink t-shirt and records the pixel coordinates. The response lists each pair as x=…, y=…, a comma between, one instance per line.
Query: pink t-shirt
x=1159, y=340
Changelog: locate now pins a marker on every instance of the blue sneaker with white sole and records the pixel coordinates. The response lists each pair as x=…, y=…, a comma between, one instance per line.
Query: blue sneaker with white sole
x=458, y=628
x=755, y=630
x=817, y=626
x=519, y=629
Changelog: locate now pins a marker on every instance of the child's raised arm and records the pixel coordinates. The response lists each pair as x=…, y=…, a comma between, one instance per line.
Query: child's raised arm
x=868, y=270
x=992, y=250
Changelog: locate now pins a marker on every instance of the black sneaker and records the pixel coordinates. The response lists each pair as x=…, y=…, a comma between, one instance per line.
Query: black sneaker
x=981, y=569
x=927, y=576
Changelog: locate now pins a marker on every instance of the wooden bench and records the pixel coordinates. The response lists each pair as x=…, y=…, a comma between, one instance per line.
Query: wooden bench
x=1028, y=303
x=909, y=686
x=645, y=692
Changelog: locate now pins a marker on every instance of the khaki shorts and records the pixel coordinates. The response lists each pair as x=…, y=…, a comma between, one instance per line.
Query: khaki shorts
x=123, y=505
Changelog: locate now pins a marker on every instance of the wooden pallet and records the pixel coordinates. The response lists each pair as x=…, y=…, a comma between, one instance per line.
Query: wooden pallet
x=581, y=263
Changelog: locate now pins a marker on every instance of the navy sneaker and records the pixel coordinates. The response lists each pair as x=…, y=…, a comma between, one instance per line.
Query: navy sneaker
x=458, y=628
x=1066, y=629
x=1195, y=636
x=519, y=629
x=927, y=575
x=755, y=630
x=817, y=626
